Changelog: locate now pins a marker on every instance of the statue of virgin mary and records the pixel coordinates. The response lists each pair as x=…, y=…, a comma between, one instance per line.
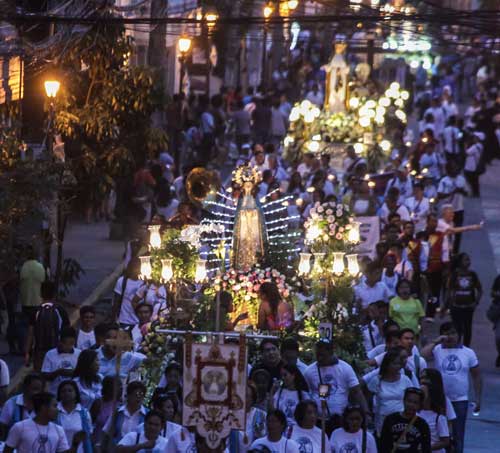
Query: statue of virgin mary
x=337, y=71
x=249, y=233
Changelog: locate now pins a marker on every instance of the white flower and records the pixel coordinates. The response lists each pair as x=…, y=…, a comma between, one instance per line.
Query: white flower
x=320, y=209
x=329, y=212
x=330, y=219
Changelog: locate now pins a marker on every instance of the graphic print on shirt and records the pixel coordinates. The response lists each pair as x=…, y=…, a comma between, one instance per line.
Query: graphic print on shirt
x=451, y=364
x=42, y=444
x=349, y=447
x=305, y=445
x=329, y=379
x=290, y=408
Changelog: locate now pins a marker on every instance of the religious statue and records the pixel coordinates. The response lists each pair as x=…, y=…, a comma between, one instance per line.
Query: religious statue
x=336, y=81
x=249, y=234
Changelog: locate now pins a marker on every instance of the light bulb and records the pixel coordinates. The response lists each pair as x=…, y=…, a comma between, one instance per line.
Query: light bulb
x=201, y=271
x=146, y=269
x=352, y=264
x=154, y=236
x=353, y=235
x=166, y=270
x=305, y=264
x=338, y=263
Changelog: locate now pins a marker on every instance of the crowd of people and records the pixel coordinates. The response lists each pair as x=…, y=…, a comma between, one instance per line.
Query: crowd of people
x=85, y=395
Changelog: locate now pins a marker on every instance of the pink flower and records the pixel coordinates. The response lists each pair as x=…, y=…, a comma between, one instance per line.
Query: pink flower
x=338, y=236
x=256, y=288
x=286, y=293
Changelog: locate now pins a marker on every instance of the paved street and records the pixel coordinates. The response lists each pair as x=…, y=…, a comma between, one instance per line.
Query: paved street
x=483, y=432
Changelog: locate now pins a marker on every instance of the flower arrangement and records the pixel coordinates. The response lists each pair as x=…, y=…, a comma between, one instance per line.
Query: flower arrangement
x=192, y=234
x=328, y=227
x=244, y=289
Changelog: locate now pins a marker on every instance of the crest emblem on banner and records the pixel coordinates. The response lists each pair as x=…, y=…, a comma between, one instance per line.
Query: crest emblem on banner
x=214, y=388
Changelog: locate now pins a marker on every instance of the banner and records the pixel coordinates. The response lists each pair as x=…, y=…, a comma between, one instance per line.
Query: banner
x=369, y=233
x=214, y=390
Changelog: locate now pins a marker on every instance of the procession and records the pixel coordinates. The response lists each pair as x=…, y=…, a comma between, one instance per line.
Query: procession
x=282, y=237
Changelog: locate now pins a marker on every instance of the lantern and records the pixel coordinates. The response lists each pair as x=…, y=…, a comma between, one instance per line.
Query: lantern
x=154, y=236
x=305, y=264
x=166, y=270
x=352, y=264
x=338, y=263
x=146, y=269
x=201, y=271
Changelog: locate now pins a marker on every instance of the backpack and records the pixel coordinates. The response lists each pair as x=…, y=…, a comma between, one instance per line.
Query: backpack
x=47, y=326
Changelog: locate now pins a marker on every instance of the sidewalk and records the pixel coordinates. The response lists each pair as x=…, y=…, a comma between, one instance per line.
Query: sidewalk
x=99, y=257
x=483, y=432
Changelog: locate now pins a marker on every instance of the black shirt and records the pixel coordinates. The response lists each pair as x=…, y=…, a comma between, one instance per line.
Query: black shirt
x=417, y=439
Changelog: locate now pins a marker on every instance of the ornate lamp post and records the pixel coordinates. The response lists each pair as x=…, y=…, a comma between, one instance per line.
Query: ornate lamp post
x=184, y=44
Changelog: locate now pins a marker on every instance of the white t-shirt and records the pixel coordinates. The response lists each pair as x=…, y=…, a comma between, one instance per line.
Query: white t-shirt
x=388, y=397
x=447, y=185
x=130, y=362
x=390, y=282
x=14, y=407
x=55, y=361
x=454, y=365
x=340, y=377
x=344, y=442
x=287, y=400
x=155, y=296
x=88, y=395
x=85, y=340
x=308, y=440
x=371, y=336
x=4, y=374
x=282, y=446
x=127, y=313
x=72, y=422
x=369, y=294
x=135, y=438
x=182, y=441
x=473, y=156
x=402, y=211
x=129, y=422
x=419, y=210
x=168, y=429
x=30, y=437
x=438, y=426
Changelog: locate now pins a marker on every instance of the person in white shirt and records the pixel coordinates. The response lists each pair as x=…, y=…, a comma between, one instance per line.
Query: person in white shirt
x=4, y=381
x=451, y=140
x=20, y=407
x=74, y=419
x=371, y=289
x=39, y=434
x=337, y=375
x=353, y=436
x=402, y=182
x=419, y=207
x=129, y=416
x=473, y=155
x=289, y=350
x=154, y=295
x=304, y=431
x=415, y=362
x=88, y=380
x=144, y=313
x=315, y=96
x=372, y=331
x=86, y=335
x=130, y=361
x=456, y=362
x=439, y=114
x=288, y=392
x=392, y=206
x=149, y=440
x=168, y=407
x=125, y=289
x=430, y=162
x=434, y=413
x=60, y=362
x=388, y=386
x=181, y=441
x=275, y=441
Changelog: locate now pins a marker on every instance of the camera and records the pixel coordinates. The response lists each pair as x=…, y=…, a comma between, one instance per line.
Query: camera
x=324, y=390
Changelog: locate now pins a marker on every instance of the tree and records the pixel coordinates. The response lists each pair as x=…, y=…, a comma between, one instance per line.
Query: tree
x=105, y=110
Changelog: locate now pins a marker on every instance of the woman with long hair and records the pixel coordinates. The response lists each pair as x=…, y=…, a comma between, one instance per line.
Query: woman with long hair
x=353, y=432
x=275, y=440
x=433, y=412
x=274, y=312
x=74, y=419
x=168, y=407
x=388, y=387
x=290, y=391
x=89, y=381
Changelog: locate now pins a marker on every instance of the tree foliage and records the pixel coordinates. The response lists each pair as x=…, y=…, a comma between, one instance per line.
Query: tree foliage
x=105, y=108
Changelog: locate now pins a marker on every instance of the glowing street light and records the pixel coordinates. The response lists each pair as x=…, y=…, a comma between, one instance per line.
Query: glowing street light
x=268, y=11
x=292, y=4
x=51, y=88
x=184, y=44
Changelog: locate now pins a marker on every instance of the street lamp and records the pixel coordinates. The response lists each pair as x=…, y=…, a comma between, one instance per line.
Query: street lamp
x=267, y=12
x=209, y=20
x=292, y=4
x=51, y=88
x=184, y=44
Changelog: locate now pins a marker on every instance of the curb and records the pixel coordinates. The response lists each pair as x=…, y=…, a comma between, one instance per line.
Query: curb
x=93, y=297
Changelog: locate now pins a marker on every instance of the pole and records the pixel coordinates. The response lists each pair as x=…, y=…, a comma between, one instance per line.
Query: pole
x=207, y=56
x=264, y=58
x=217, y=313
x=182, y=60
x=323, y=426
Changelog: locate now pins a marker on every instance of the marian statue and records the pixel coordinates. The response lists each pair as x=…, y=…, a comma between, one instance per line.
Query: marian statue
x=337, y=71
x=249, y=234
